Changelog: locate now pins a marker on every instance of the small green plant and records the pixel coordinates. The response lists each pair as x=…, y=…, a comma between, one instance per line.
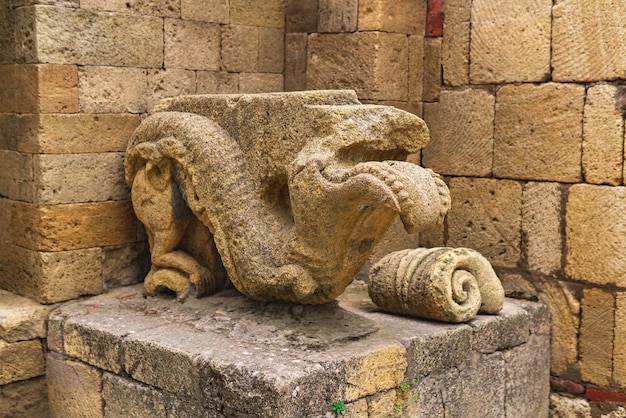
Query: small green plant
x=338, y=407
x=403, y=388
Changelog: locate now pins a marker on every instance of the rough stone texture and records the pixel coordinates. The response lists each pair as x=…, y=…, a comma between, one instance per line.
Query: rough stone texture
x=375, y=64
x=596, y=336
x=25, y=399
x=123, y=265
x=105, y=38
x=264, y=13
x=5, y=221
x=113, y=90
x=432, y=69
x=619, y=346
x=295, y=61
x=538, y=132
x=164, y=83
x=400, y=16
x=16, y=176
x=20, y=360
x=374, y=372
x=603, y=136
x=73, y=226
x=461, y=126
x=163, y=8
x=455, y=45
x=510, y=41
x=73, y=388
x=271, y=50
x=126, y=398
x=106, y=5
x=21, y=318
x=563, y=406
x=252, y=83
x=216, y=82
x=382, y=404
x=192, y=45
x=216, y=11
x=579, y=28
x=240, y=48
x=486, y=216
x=337, y=16
x=426, y=355
x=7, y=38
x=541, y=226
x=490, y=335
x=301, y=16
x=595, y=233
x=416, y=68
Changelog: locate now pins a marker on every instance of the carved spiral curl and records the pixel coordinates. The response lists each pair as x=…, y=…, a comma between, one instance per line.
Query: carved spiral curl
x=445, y=284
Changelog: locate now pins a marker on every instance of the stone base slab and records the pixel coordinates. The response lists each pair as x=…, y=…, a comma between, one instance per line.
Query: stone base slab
x=228, y=356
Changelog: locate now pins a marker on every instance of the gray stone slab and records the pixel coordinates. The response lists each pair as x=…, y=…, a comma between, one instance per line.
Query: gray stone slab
x=21, y=318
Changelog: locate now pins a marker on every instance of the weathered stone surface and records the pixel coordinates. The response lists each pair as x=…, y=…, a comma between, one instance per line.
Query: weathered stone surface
x=106, y=5
x=563, y=406
x=20, y=360
x=455, y=47
x=432, y=69
x=619, y=346
x=382, y=405
x=106, y=38
x=126, y=398
x=603, y=136
x=5, y=221
x=295, y=61
x=589, y=40
x=21, y=318
x=301, y=16
x=74, y=133
x=510, y=41
x=211, y=82
x=463, y=147
x=192, y=45
x=113, y=90
x=162, y=8
x=216, y=11
x=271, y=50
x=252, y=83
x=490, y=333
x=7, y=38
x=164, y=83
x=337, y=16
x=73, y=226
x=401, y=16
x=416, y=68
x=368, y=62
x=426, y=356
x=264, y=13
x=541, y=226
x=25, y=399
x=375, y=372
x=538, y=132
x=595, y=233
x=486, y=216
x=73, y=388
x=123, y=265
x=596, y=336
x=8, y=135
x=16, y=176
x=240, y=48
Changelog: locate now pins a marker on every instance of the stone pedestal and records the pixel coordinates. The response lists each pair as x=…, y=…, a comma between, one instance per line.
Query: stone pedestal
x=225, y=355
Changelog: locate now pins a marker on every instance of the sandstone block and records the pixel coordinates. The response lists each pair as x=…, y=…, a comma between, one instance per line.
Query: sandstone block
x=69, y=178
x=75, y=133
x=7, y=38
x=462, y=148
x=164, y=83
x=123, y=265
x=271, y=50
x=9, y=133
x=596, y=336
x=240, y=48
x=619, y=346
x=216, y=82
x=116, y=39
x=295, y=61
x=425, y=356
x=368, y=62
x=603, y=136
x=73, y=387
x=216, y=11
x=112, y=90
x=455, y=47
x=21, y=318
x=563, y=406
x=486, y=216
x=162, y=8
x=374, y=372
x=589, y=40
x=538, y=133
x=541, y=226
x=106, y=5
x=127, y=398
x=5, y=221
x=337, y=16
x=510, y=41
x=17, y=176
x=595, y=232
x=260, y=82
x=20, y=360
x=73, y=226
x=301, y=16
x=382, y=404
x=192, y=45
x=416, y=67
x=264, y=13
x=25, y=399
x=490, y=333
x=8, y=87
x=401, y=16
x=432, y=69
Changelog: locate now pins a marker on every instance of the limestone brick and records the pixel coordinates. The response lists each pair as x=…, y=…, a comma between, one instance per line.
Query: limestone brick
x=541, y=226
x=374, y=64
x=240, y=48
x=589, y=40
x=107, y=5
x=464, y=147
x=112, y=90
x=486, y=216
x=25, y=399
x=5, y=221
x=21, y=318
x=295, y=61
x=127, y=398
x=164, y=83
x=565, y=316
x=75, y=133
x=510, y=41
x=9, y=131
x=73, y=226
x=216, y=82
x=7, y=88
x=264, y=13
x=595, y=234
x=416, y=67
x=382, y=404
x=563, y=406
x=20, y=360
x=116, y=39
x=337, y=16
x=260, y=82
x=538, y=132
x=400, y=16
x=161, y=8
x=603, y=136
x=491, y=335
x=301, y=16
x=16, y=176
x=426, y=356
x=619, y=347
x=7, y=38
x=216, y=11
x=271, y=50
x=455, y=45
x=192, y=45
x=596, y=336
x=123, y=265
x=73, y=387
x=432, y=69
